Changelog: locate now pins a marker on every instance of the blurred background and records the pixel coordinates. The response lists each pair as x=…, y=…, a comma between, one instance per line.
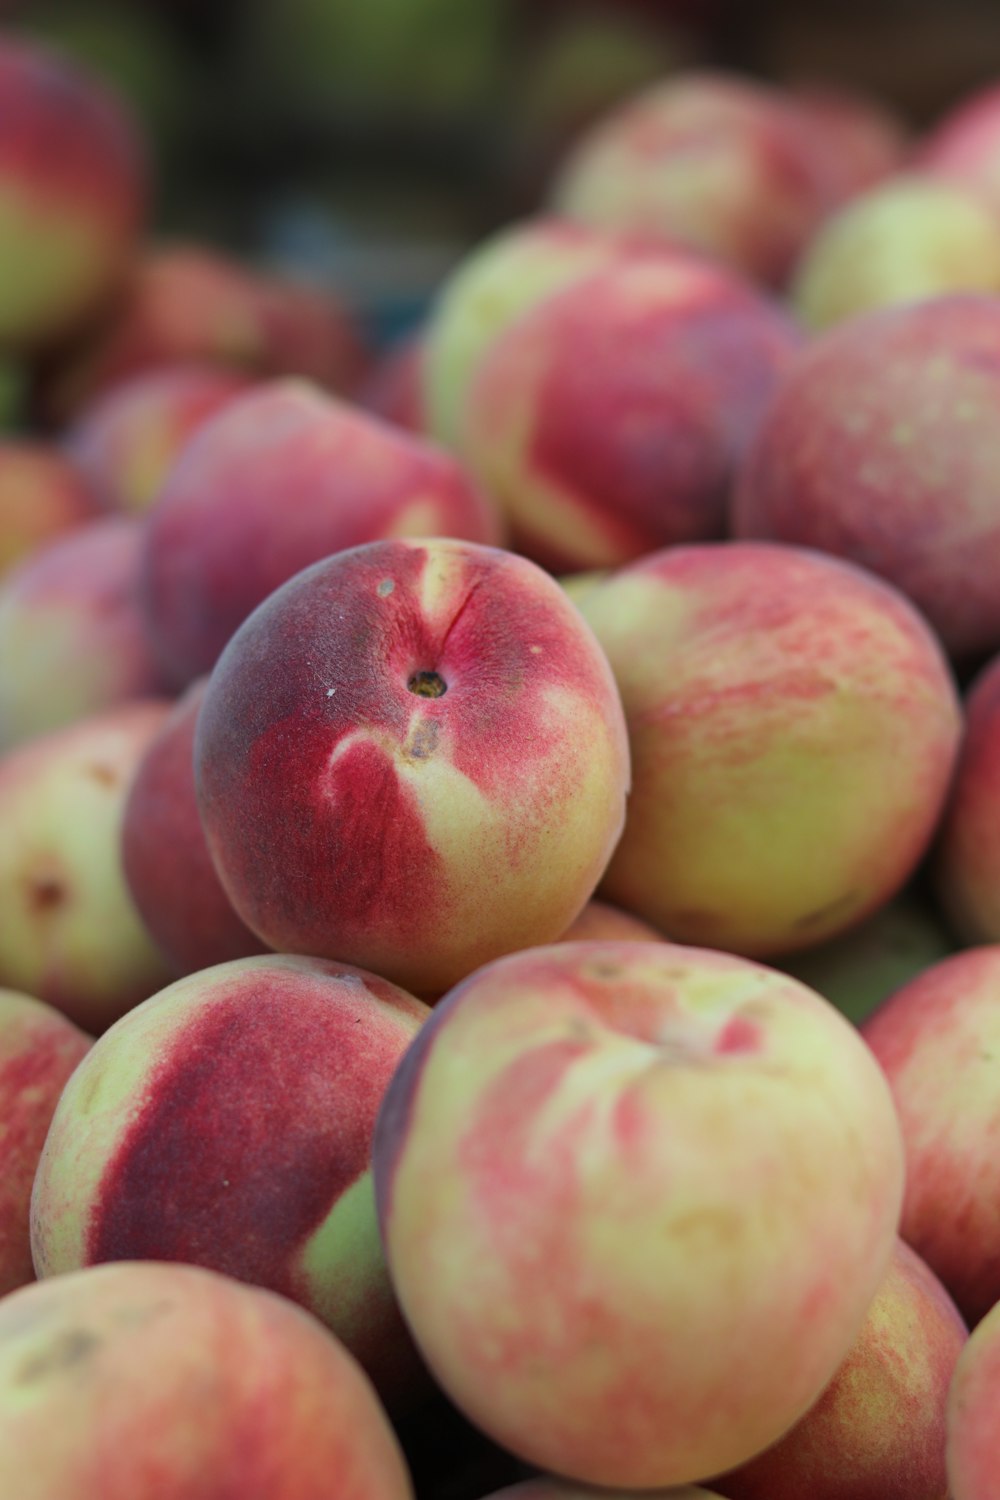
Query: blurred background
x=369, y=142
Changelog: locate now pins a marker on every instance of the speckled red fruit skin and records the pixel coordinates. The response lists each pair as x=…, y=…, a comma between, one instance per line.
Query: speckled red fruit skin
x=966, y=864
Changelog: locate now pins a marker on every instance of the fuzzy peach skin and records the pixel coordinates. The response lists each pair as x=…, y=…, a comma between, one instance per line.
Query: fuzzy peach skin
x=964, y=146
x=285, y=476
x=227, y=1122
x=973, y=1452
x=72, y=191
x=72, y=632
x=878, y=1430
x=185, y=304
x=39, y=1049
x=69, y=932
x=488, y=290
x=636, y=1200
x=907, y=240
x=966, y=863
x=723, y=164
x=793, y=726
x=168, y=869
x=880, y=447
x=149, y=1381
x=127, y=441
x=937, y=1039
x=42, y=496
x=609, y=419
x=412, y=757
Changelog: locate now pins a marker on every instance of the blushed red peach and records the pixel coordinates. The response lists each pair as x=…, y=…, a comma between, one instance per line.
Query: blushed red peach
x=138, y=1381
x=865, y=140
x=168, y=868
x=964, y=146
x=609, y=419
x=282, y=478
x=636, y=1200
x=973, y=1430
x=39, y=1049
x=878, y=1430
x=127, y=441
x=73, y=639
x=793, y=726
x=395, y=389
x=69, y=932
x=967, y=856
x=937, y=1040
x=42, y=496
x=72, y=191
x=412, y=757
x=227, y=1122
x=880, y=447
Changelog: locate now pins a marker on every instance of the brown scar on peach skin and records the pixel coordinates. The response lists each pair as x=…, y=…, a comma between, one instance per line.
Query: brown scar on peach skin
x=67, y=1349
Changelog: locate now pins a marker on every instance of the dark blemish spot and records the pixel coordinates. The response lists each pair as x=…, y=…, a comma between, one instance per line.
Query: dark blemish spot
x=812, y=918
x=103, y=775
x=427, y=685
x=423, y=741
x=46, y=893
x=67, y=1349
x=385, y=587
x=604, y=971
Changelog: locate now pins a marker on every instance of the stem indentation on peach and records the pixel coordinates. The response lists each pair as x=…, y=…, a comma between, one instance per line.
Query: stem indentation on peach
x=427, y=685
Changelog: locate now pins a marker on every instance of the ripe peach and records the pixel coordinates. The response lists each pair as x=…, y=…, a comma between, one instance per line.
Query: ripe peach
x=72, y=636
x=964, y=147
x=880, y=447
x=636, y=1200
x=878, y=1430
x=39, y=1049
x=222, y=535
x=609, y=419
x=865, y=141
x=561, y=1489
x=967, y=856
x=42, y=496
x=264, y=1076
x=793, y=726
x=72, y=189
x=395, y=388
x=127, y=441
x=937, y=1040
x=721, y=163
x=600, y=922
x=167, y=865
x=412, y=757
x=973, y=1430
x=138, y=1382
x=69, y=932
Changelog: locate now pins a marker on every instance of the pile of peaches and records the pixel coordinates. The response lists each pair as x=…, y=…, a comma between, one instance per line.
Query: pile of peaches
x=500, y=849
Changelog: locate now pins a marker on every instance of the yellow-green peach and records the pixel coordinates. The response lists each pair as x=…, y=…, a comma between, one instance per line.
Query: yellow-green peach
x=73, y=639
x=42, y=496
x=793, y=726
x=39, y=1049
x=143, y=1381
x=966, y=864
x=69, y=931
x=904, y=241
x=227, y=1122
x=412, y=757
x=973, y=1452
x=878, y=1430
x=937, y=1040
x=610, y=418
x=636, y=1200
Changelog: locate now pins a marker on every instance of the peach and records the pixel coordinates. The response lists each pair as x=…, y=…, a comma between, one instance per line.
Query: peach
x=601, y=922
x=720, y=163
x=964, y=147
x=169, y=871
x=188, y=305
x=610, y=418
x=264, y=1075
x=69, y=933
x=880, y=447
x=973, y=1431
x=936, y=1040
x=42, y=496
x=395, y=388
x=223, y=536
x=967, y=856
x=72, y=190
x=907, y=240
x=72, y=634
x=865, y=140
x=878, y=1430
x=793, y=726
x=127, y=441
x=412, y=757
x=861, y=968
x=636, y=1200
x=39, y=1049
x=138, y=1382
x=559, y=1489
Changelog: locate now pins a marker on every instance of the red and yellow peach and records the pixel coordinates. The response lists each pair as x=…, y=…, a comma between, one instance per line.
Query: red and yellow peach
x=973, y=1430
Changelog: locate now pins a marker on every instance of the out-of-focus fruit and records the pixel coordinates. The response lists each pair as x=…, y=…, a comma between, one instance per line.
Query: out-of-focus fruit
x=42, y=496
x=967, y=856
x=973, y=1429
x=964, y=147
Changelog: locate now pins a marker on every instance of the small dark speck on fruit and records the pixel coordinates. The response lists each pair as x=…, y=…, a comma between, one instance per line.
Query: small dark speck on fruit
x=66, y=1349
x=46, y=893
x=385, y=587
